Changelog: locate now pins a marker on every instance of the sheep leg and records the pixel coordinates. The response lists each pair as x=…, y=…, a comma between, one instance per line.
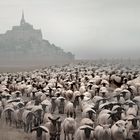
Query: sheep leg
x=67, y=114
x=10, y=122
x=16, y=124
x=64, y=136
x=68, y=137
x=30, y=127
x=72, y=136
x=74, y=115
x=24, y=127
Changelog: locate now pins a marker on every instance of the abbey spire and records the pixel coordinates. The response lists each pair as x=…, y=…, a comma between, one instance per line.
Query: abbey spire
x=22, y=22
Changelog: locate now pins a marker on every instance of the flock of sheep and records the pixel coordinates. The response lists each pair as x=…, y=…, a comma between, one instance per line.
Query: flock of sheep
x=83, y=101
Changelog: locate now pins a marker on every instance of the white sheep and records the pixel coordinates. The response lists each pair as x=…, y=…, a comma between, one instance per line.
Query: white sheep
x=118, y=130
x=69, y=127
x=70, y=110
x=103, y=132
x=103, y=117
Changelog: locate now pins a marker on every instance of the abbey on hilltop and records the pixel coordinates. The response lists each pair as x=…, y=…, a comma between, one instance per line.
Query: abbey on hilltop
x=25, y=44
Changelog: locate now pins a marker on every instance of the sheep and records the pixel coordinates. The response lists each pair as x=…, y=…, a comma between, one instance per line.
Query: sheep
x=126, y=94
x=132, y=110
x=95, y=90
x=69, y=127
x=84, y=132
x=76, y=99
x=8, y=115
x=82, y=89
x=87, y=94
x=39, y=133
x=132, y=122
x=70, y=110
x=118, y=131
x=61, y=104
x=103, y=132
x=54, y=126
x=27, y=118
x=46, y=106
x=54, y=104
x=103, y=92
x=38, y=112
x=134, y=134
x=69, y=94
x=103, y=117
x=18, y=117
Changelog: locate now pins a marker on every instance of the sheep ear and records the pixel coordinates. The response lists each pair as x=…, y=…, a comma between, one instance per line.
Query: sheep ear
x=109, y=116
x=109, y=113
x=93, y=112
x=91, y=129
x=101, y=125
x=45, y=130
x=124, y=119
x=82, y=129
x=117, y=124
x=34, y=129
x=109, y=125
x=57, y=118
x=50, y=118
x=130, y=120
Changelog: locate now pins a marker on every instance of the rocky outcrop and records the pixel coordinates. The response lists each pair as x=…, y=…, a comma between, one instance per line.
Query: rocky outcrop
x=25, y=44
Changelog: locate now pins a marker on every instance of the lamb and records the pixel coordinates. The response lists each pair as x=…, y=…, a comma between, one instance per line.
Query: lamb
x=69, y=127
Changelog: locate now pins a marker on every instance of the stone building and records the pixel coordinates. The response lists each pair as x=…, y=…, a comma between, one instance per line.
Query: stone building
x=25, y=44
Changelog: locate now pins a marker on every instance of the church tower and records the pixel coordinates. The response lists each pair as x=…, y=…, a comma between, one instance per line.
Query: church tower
x=22, y=22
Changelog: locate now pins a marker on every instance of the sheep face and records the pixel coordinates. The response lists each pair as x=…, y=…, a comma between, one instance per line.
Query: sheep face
x=87, y=131
x=39, y=132
x=90, y=113
x=54, y=121
x=121, y=129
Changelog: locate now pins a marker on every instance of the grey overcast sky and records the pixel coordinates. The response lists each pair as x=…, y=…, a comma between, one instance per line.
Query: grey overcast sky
x=87, y=28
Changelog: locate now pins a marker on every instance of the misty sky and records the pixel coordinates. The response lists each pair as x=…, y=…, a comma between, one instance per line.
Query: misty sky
x=87, y=28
